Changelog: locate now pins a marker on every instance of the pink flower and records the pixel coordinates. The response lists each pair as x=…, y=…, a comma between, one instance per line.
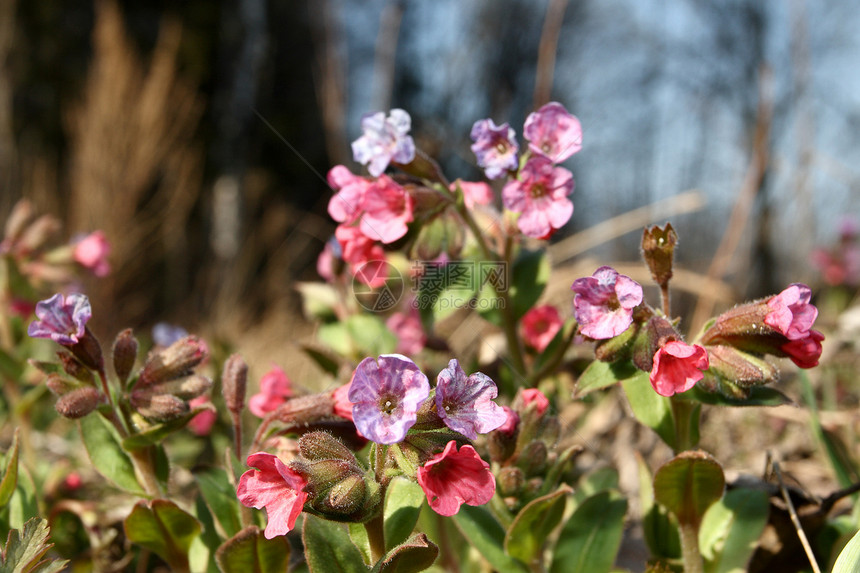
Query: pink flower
x=63, y=320
x=385, y=140
x=495, y=147
x=408, y=330
x=276, y=487
x=366, y=258
x=604, y=303
x=478, y=193
x=540, y=194
x=677, y=367
x=553, y=132
x=533, y=395
x=202, y=423
x=347, y=203
x=512, y=420
x=387, y=210
x=275, y=388
x=386, y=394
x=805, y=352
x=92, y=253
x=466, y=404
x=790, y=312
x=327, y=262
x=452, y=478
x=342, y=405
x=540, y=325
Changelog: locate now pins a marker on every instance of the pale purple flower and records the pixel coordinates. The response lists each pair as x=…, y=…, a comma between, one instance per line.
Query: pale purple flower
x=63, y=320
x=495, y=147
x=164, y=334
x=553, y=132
x=466, y=404
x=385, y=139
x=604, y=303
x=540, y=194
x=386, y=394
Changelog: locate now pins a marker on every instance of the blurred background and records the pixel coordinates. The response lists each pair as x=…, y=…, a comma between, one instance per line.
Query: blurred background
x=198, y=134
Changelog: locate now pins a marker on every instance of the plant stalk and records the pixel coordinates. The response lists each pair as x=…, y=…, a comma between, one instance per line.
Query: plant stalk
x=690, y=548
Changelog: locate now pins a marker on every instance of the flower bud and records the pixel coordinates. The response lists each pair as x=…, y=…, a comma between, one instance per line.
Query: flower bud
x=316, y=446
x=510, y=481
x=532, y=459
x=234, y=381
x=740, y=368
x=184, y=388
x=59, y=385
x=158, y=407
x=124, y=354
x=653, y=336
x=618, y=347
x=339, y=490
x=88, y=351
x=75, y=369
x=176, y=360
x=78, y=403
x=658, y=250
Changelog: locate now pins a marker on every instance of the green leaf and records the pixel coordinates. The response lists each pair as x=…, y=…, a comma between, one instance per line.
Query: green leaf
x=731, y=528
x=403, y=502
x=445, y=289
x=415, y=555
x=595, y=481
x=659, y=528
x=104, y=447
x=359, y=537
x=650, y=408
x=531, y=527
x=10, y=367
x=604, y=374
x=250, y=552
x=758, y=396
x=370, y=335
x=849, y=558
x=220, y=497
x=328, y=548
x=10, y=473
x=590, y=539
x=163, y=528
x=327, y=362
x=24, y=552
x=201, y=555
x=336, y=337
x=23, y=505
x=486, y=535
x=156, y=434
x=688, y=484
x=318, y=299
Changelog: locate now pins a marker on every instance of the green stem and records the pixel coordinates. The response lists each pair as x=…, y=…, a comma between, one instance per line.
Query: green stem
x=145, y=470
x=376, y=537
x=686, y=420
x=690, y=548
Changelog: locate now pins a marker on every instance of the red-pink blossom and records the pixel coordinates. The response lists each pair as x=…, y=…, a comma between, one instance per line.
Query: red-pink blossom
x=790, y=312
x=342, y=405
x=275, y=388
x=540, y=195
x=452, y=478
x=553, y=132
x=540, y=325
x=533, y=395
x=677, y=367
x=365, y=257
x=202, y=423
x=408, y=330
x=347, y=203
x=805, y=352
x=474, y=193
x=387, y=210
x=604, y=303
x=512, y=420
x=275, y=486
x=92, y=252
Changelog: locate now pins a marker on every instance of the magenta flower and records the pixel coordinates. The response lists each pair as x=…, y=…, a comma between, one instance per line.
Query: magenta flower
x=386, y=394
x=63, y=320
x=604, y=303
x=805, y=352
x=540, y=194
x=408, y=330
x=452, y=478
x=385, y=139
x=553, y=133
x=533, y=395
x=474, y=193
x=512, y=420
x=365, y=257
x=92, y=252
x=348, y=201
x=202, y=423
x=275, y=486
x=790, y=312
x=677, y=367
x=466, y=404
x=495, y=147
x=342, y=407
x=387, y=210
x=275, y=388
x=540, y=325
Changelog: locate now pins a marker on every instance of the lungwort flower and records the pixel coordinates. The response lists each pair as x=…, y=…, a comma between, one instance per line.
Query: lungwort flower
x=540, y=325
x=495, y=147
x=541, y=196
x=386, y=394
x=466, y=404
x=604, y=303
x=275, y=486
x=452, y=478
x=677, y=367
x=385, y=139
x=275, y=388
x=790, y=312
x=63, y=320
x=553, y=132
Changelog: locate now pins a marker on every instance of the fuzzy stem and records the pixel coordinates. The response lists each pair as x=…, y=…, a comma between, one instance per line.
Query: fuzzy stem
x=145, y=470
x=690, y=548
x=664, y=299
x=376, y=537
x=683, y=411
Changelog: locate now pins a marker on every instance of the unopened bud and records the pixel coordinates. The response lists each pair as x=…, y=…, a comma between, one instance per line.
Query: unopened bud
x=89, y=351
x=158, y=407
x=740, y=368
x=550, y=430
x=510, y=481
x=618, y=347
x=78, y=403
x=658, y=250
x=124, y=354
x=653, y=336
x=315, y=446
x=176, y=360
x=532, y=459
x=59, y=385
x=185, y=388
x=75, y=369
x=234, y=381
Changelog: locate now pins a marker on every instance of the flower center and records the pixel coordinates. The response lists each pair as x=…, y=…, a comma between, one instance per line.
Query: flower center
x=501, y=148
x=537, y=190
x=387, y=404
x=613, y=303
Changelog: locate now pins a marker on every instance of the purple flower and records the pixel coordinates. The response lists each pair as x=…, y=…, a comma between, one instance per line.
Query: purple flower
x=164, y=334
x=386, y=394
x=540, y=194
x=62, y=320
x=495, y=147
x=604, y=303
x=553, y=132
x=466, y=404
x=385, y=140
